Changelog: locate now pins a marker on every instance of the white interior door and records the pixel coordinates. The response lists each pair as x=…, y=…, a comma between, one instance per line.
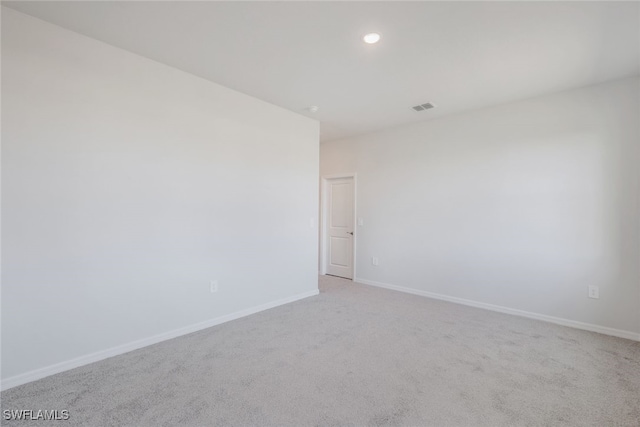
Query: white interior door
x=339, y=227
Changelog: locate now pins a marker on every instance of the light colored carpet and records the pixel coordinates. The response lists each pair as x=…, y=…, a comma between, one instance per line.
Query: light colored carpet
x=356, y=356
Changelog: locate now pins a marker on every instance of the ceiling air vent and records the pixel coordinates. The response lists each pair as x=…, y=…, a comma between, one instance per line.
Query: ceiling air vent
x=423, y=107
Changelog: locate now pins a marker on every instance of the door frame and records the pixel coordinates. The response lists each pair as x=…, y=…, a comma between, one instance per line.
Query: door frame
x=324, y=216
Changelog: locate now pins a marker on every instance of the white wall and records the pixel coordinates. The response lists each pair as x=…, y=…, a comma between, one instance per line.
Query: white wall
x=521, y=205
x=127, y=187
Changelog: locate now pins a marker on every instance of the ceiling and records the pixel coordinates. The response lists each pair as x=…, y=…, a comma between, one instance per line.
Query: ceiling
x=457, y=55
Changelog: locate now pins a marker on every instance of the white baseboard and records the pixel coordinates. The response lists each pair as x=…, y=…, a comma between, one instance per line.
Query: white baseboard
x=551, y=319
x=125, y=348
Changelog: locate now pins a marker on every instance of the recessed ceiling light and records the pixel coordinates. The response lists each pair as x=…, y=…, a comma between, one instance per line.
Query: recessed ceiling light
x=313, y=109
x=371, y=38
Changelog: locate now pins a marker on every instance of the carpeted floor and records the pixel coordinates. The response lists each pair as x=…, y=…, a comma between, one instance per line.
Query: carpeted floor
x=356, y=356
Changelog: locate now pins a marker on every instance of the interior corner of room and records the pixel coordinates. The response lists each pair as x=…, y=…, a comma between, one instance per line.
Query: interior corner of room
x=157, y=183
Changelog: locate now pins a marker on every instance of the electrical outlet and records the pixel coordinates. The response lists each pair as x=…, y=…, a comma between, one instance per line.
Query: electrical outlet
x=213, y=286
x=594, y=292
x=374, y=260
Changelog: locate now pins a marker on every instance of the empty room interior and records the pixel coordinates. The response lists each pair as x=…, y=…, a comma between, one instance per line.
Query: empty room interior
x=236, y=213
